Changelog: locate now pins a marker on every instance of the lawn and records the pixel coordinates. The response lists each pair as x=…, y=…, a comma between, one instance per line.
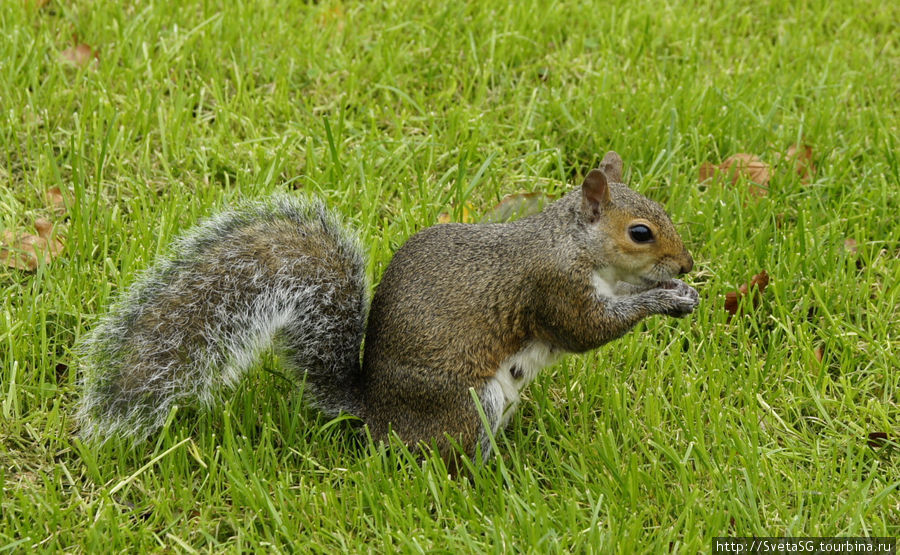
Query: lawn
x=122, y=123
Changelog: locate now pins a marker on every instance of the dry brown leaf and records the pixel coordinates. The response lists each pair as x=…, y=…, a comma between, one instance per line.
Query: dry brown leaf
x=732, y=301
x=819, y=353
x=754, y=289
x=25, y=251
x=801, y=157
x=750, y=167
x=737, y=166
x=55, y=199
x=515, y=206
x=760, y=281
x=708, y=170
x=80, y=55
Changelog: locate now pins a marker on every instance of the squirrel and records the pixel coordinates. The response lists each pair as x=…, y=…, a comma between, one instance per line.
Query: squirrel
x=461, y=308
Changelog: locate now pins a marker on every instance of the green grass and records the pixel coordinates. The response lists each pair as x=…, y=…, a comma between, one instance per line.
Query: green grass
x=398, y=111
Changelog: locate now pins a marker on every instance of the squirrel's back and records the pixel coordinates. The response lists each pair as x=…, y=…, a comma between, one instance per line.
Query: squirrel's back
x=282, y=271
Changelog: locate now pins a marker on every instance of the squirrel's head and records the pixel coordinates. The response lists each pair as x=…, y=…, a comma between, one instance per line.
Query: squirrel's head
x=636, y=240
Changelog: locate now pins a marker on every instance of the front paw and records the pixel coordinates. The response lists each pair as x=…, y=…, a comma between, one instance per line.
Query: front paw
x=679, y=299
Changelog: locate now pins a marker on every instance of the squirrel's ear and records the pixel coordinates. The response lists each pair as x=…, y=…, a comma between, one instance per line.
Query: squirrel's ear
x=612, y=167
x=594, y=194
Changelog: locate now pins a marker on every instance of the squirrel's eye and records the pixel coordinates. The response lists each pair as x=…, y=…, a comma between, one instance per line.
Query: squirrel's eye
x=640, y=233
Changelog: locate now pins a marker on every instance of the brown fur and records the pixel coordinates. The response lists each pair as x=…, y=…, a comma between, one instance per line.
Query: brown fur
x=458, y=299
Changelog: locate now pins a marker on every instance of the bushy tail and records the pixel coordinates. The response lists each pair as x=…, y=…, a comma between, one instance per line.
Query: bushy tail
x=280, y=271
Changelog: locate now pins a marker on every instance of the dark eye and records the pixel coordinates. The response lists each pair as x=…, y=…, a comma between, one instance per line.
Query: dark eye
x=640, y=234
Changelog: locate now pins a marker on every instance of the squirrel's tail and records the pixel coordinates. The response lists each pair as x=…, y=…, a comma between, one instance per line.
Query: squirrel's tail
x=280, y=271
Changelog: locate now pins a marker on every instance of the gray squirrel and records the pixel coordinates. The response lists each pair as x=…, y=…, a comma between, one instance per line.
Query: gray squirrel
x=460, y=308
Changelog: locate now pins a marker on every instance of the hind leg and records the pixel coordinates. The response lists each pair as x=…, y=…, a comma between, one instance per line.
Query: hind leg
x=438, y=411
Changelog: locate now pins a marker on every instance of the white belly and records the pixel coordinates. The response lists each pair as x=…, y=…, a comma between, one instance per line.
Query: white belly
x=514, y=374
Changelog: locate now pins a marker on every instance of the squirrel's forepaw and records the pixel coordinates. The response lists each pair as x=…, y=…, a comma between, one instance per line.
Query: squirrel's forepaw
x=684, y=299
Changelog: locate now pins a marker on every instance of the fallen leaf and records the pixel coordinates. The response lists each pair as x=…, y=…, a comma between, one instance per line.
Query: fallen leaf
x=25, y=251
x=731, y=302
x=516, y=206
x=760, y=281
x=55, y=199
x=754, y=290
x=819, y=353
x=750, y=167
x=740, y=165
x=801, y=157
x=708, y=170
x=79, y=55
